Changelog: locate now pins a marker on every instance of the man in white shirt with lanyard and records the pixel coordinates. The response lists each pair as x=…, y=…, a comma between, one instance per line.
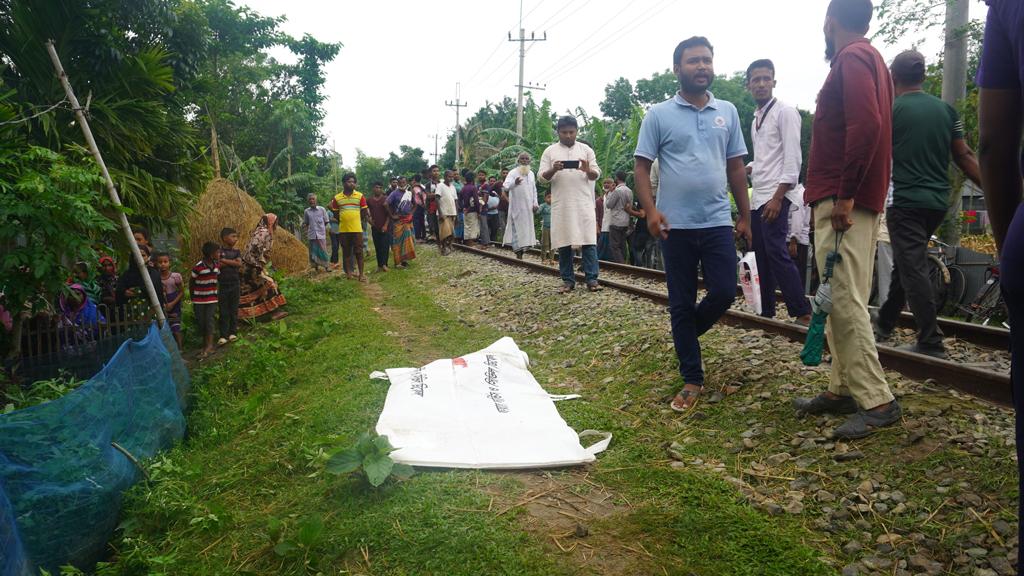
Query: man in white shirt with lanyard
x=776, y=173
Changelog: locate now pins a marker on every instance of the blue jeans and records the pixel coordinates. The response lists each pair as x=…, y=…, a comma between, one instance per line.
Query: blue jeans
x=565, y=264
x=714, y=251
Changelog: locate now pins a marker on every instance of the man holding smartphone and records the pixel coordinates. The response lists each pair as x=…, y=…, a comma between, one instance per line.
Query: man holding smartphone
x=571, y=168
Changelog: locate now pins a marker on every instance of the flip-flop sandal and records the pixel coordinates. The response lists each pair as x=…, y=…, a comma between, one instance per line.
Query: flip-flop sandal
x=594, y=287
x=565, y=289
x=686, y=395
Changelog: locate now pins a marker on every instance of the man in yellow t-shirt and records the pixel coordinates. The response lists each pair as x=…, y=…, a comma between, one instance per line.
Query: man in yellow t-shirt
x=350, y=205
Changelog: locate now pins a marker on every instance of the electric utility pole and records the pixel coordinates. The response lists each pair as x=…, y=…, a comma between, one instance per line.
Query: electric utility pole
x=522, y=60
x=458, y=104
x=954, y=88
x=434, y=136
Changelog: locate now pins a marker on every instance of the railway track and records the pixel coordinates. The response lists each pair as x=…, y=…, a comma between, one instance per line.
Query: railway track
x=983, y=384
x=987, y=336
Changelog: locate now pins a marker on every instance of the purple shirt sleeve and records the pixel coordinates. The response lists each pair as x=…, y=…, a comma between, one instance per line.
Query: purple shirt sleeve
x=1002, y=58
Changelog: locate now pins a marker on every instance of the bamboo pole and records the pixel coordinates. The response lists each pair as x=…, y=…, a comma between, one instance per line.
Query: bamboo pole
x=154, y=301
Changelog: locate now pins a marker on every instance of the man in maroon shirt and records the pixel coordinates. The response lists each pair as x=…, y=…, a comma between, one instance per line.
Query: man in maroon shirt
x=847, y=181
x=379, y=224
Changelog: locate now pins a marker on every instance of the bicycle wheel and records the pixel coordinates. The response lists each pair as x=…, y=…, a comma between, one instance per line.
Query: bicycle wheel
x=938, y=276
x=957, y=288
x=985, y=305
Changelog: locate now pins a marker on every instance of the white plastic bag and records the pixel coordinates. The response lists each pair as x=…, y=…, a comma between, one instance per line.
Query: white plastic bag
x=750, y=281
x=482, y=410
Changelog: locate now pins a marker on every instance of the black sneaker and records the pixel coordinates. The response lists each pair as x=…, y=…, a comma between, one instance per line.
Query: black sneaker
x=933, y=351
x=881, y=334
x=822, y=404
x=866, y=422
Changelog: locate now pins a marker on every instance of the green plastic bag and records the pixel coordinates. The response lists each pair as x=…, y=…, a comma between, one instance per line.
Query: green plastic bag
x=814, y=345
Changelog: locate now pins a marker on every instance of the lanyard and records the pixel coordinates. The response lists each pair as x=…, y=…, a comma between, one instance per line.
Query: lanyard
x=764, y=114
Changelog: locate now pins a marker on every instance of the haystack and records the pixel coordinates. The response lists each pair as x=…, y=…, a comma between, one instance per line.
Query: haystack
x=224, y=205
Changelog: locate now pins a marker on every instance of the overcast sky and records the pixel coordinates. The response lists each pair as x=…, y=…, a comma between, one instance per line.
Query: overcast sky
x=401, y=60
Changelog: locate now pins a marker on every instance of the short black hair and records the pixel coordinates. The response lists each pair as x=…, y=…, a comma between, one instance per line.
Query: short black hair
x=377, y=183
x=853, y=15
x=690, y=42
x=479, y=172
x=468, y=174
x=567, y=122
x=161, y=254
x=141, y=230
x=209, y=248
x=417, y=178
x=348, y=175
x=224, y=232
x=762, y=63
x=432, y=166
x=621, y=175
x=81, y=266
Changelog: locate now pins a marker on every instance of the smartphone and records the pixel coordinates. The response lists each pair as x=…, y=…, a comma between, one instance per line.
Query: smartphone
x=573, y=164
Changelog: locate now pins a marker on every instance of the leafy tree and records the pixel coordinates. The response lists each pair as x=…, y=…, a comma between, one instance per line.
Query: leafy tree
x=409, y=161
x=619, y=100
x=51, y=211
x=659, y=87
x=118, y=57
x=369, y=170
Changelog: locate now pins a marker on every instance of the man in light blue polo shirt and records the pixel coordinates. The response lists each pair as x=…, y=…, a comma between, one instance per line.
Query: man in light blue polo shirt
x=698, y=143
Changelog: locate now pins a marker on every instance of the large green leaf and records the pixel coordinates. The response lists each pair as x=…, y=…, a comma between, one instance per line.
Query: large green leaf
x=402, y=471
x=377, y=468
x=383, y=445
x=345, y=462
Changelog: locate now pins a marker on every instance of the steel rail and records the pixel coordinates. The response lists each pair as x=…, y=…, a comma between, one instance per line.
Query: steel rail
x=982, y=384
x=986, y=336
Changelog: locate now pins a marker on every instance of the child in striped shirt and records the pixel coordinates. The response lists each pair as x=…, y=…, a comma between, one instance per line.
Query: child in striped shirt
x=203, y=285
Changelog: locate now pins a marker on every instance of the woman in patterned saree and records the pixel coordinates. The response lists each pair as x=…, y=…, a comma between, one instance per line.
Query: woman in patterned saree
x=260, y=294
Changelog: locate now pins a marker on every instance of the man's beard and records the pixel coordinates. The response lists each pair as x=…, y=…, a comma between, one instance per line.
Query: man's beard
x=830, y=49
x=688, y=86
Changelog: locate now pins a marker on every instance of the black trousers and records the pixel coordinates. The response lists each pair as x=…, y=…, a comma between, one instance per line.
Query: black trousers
x=227, y=302
x=381, y=246
x=801, y=264
x=617, y=243
x=335, y=242
x=910, y=229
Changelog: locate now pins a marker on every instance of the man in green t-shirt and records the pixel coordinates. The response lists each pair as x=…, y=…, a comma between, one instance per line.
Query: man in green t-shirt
x=926, y=132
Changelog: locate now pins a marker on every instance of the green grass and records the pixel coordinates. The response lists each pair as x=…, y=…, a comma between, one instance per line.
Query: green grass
x=266, y=416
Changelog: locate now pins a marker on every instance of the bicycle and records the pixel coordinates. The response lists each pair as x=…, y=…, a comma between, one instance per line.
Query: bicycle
x=948, y=281
x=988, y=304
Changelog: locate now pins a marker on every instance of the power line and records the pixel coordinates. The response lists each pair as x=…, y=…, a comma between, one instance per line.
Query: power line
x=36, y=115
x=571, y=54
x=627, y=28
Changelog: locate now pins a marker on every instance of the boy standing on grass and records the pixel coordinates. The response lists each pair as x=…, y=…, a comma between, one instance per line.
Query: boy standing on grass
x=203, y=285
x=229, y=285
x=546, y=255
x=174, y=291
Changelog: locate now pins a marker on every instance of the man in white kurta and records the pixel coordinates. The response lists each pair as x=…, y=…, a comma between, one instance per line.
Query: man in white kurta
x=520, y=188
x=573, y=218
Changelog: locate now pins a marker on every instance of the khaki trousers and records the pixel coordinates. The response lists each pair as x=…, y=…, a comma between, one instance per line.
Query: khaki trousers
x=856, y=370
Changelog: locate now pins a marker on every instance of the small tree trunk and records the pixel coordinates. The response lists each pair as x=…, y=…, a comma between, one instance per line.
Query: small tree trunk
x=214, y=149
x=289, y=152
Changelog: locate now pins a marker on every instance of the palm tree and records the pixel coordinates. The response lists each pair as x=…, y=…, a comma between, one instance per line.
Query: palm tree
x=291, y=115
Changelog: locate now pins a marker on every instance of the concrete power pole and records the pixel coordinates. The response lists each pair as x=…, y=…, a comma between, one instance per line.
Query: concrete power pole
x=522, y=60
x=458, y=104
x=954, y=87
x=435, y=137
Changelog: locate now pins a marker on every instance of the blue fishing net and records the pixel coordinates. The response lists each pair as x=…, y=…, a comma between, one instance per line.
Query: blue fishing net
x=61, y=475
